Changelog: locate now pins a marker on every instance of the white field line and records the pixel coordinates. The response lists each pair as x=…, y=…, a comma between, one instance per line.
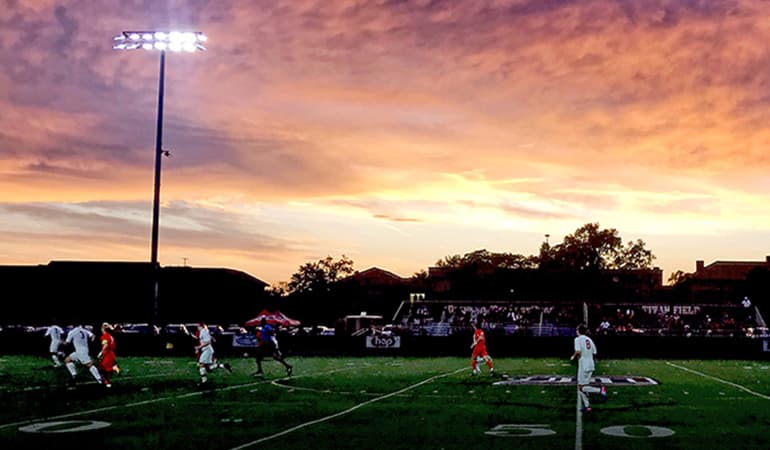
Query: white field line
x=729, y=383
x=578, y=425
x=147, y=402
x=83, y=383
x=347, y=411
x=329, y=391
x=275, y=382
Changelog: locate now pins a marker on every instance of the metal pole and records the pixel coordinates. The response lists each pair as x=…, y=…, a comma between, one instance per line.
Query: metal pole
x=156, y=199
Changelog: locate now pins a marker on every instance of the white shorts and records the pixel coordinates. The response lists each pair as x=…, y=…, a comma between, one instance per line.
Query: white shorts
x=584, y=377
x=207, y=355
x=80, y=357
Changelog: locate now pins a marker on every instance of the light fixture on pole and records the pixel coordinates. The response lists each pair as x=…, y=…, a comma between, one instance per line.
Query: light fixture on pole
x=176, y=41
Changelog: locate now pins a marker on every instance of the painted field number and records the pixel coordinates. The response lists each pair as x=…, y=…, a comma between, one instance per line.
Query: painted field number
x=536, y=430
x=651, y=431
x=64, y=426
x=520, y=430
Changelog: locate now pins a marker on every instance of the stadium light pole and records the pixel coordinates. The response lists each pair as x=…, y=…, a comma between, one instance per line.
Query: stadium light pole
x=160, y=41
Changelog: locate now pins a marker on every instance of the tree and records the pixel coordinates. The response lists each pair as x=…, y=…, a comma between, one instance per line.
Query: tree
x=484, y=258
x=592, y=248
x=318, y=277
x=678, y=277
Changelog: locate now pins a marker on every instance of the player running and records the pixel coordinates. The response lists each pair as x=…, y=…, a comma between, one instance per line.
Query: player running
x=205, y=352
x=107, y=361
x=267, y=345
x=79, y=338
x=56, y=334
x=585, y=349
x=479, y=347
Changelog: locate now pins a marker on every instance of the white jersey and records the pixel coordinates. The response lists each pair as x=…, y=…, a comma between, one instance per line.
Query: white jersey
x=79, y=337
x=55, y=332
x=207, y=353
x=205, y=336
x=585, y=345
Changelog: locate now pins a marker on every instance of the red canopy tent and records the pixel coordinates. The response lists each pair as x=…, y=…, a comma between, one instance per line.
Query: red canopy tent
x=273, y=318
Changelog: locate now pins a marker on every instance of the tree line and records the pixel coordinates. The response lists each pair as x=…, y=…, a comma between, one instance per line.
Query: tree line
x=589, y=248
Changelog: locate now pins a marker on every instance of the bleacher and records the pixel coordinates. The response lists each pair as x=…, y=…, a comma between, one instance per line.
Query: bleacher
x=446, y=318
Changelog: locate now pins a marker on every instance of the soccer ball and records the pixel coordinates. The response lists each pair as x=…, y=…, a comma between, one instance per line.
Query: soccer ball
x=479, y=360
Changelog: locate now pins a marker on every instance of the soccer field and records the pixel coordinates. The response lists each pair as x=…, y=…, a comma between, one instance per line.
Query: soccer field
x=386, y=402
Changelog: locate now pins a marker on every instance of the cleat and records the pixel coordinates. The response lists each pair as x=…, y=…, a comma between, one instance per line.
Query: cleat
x=603, y=393
x=586, y=409
x=228, y=368
x=288, y=370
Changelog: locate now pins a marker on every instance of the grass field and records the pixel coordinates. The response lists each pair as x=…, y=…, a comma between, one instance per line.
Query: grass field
x=378, y=403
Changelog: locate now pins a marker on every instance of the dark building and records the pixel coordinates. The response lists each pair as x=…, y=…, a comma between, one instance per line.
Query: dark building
x=722, y=281
x=91, y=292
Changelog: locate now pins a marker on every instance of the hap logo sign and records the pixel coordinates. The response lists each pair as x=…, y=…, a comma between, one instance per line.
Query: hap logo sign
x=383, y=342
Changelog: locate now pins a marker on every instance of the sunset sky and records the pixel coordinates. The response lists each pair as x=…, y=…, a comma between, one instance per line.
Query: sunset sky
x=393, y=132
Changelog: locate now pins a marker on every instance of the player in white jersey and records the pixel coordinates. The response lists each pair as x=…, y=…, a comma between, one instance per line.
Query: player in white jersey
x=585, y=349
x=79, y=337
x=56, y=334
x=205, y=350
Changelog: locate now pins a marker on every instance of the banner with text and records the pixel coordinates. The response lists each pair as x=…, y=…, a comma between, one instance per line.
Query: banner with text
x=383, y=342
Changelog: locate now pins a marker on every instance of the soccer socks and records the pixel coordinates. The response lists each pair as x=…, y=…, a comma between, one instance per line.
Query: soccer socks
x=95, y=372
x=584, y=391
x=71, y=368
x=489, y=363
x=584, y=399
x=202, y=372
x=55, y=358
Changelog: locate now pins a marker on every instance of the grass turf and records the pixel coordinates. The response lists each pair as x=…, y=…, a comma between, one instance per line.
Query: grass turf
x=384, y=403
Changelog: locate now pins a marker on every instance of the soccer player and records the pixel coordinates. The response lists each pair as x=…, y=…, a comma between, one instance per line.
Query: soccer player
x=79, y=338
x=56, y=334
x=107, y=361
x=585, y=349
x=205, y=351
x=479, y=347
x=267, y=344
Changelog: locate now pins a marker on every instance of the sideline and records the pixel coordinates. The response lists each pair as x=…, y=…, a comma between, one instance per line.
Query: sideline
x=160, y=399
x=342, y=413
x=729, y=383
x=578, y=425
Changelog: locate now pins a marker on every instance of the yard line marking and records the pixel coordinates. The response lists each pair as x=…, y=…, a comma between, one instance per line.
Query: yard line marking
x=578, y=425
x=729, y=383
x=342, y=413
x=301, y=376
x=327, y=391
x=143, y=402
x=83, y=383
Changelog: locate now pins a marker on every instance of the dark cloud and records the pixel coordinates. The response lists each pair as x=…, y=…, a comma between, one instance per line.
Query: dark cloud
x=123, y=221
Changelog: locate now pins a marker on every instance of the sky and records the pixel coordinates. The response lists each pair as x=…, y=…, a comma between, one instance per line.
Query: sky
x=393, y=132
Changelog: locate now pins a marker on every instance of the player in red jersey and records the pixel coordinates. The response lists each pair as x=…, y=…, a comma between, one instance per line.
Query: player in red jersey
x=107, y=361
x=479, y=348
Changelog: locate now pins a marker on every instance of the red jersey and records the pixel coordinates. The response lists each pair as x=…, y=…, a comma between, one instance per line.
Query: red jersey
x=108, y=353
x=479, y=338
x=480, y=349
x=109, y=340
